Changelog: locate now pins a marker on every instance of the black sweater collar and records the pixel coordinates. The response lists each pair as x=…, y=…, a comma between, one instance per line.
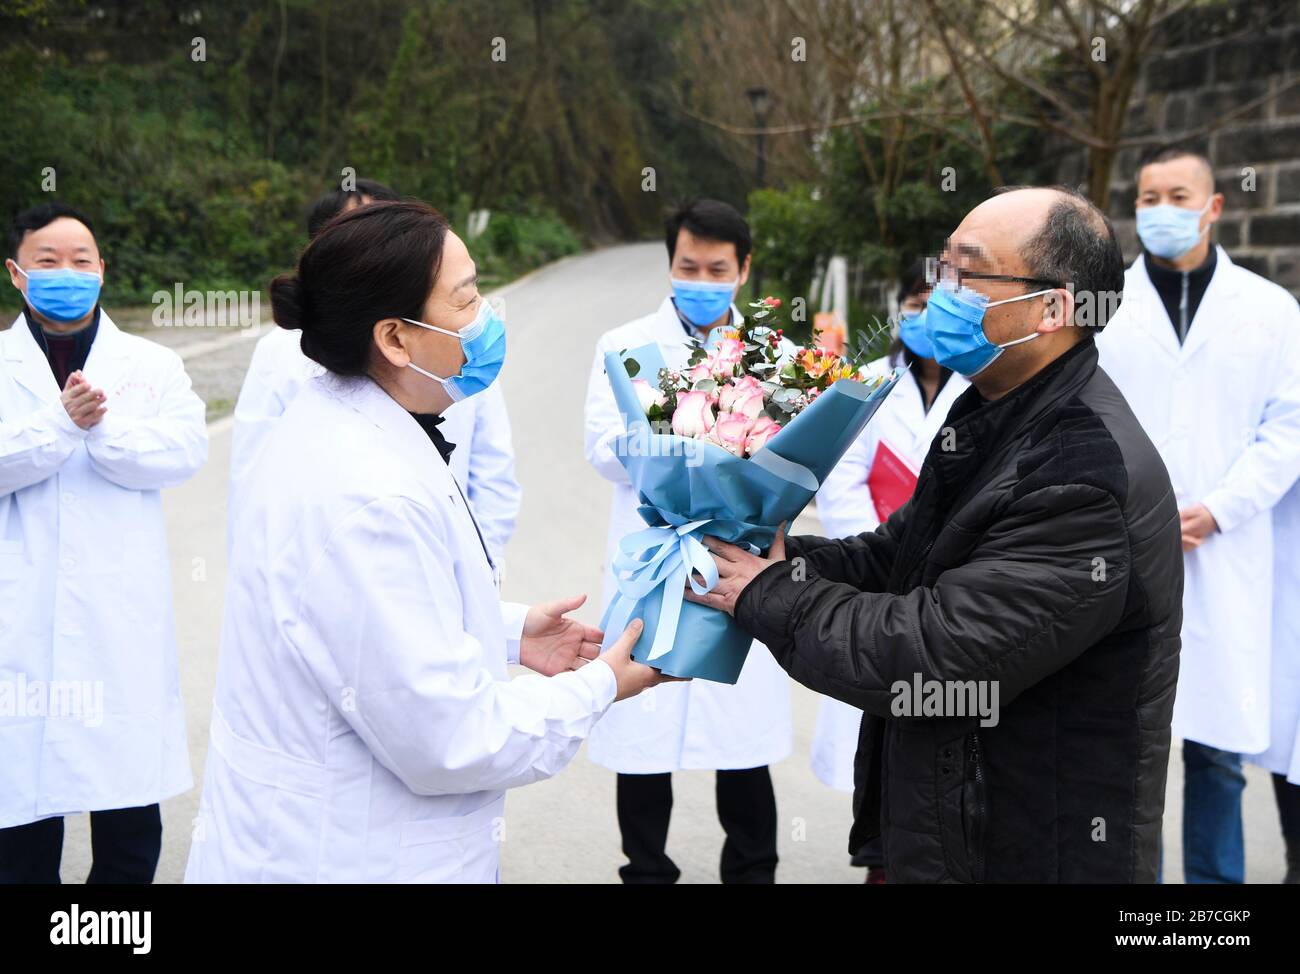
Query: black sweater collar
x=430, y=423
x=84, y=338
x=1169, y=277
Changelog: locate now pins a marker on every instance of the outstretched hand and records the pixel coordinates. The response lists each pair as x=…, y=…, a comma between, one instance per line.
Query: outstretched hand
x=553, y=643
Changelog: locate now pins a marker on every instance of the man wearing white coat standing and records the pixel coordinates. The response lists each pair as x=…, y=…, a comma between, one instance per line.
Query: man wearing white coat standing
x=484, y=461
x=93, y=424
x=1208, y=356
x=735, y=730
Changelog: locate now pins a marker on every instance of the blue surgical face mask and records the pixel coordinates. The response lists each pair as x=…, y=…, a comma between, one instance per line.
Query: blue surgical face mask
x=911, y=329
x=954, y=322
x=62, y=294
x=484, y=342
x=1169, y=231
x=703, y=302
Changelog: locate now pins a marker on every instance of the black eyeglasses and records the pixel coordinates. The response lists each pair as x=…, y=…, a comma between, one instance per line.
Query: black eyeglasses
x=937, y=271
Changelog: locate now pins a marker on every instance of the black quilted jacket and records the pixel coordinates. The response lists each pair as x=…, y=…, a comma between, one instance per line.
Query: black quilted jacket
x=1041, y=550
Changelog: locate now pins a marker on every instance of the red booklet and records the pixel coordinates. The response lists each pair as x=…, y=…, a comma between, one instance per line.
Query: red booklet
x=891, y=481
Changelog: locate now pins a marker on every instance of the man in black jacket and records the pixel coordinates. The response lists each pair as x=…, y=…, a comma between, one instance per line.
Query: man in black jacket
x=1037, y=568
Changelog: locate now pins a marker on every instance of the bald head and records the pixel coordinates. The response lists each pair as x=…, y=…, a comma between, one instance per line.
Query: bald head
x=1050, y=235
x=1018, y=215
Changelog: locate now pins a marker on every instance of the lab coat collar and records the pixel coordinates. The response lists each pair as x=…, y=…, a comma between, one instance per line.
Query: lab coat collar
x=110, y=355
x=1152, y=318
x=26, y=360
x=368, y=398
x=1214, y=311
x=672, y=329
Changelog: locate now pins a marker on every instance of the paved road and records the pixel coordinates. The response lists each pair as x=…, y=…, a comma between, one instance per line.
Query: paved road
x=561, y=830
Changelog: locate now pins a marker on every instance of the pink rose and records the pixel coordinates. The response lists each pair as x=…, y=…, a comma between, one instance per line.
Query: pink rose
x=721, y=362
x=731, y=431
x=749, y=403
x=727, y=355
x=702, y=371
x=745, y=386
x=764, y=428
x=693, y=415
x=648, y=394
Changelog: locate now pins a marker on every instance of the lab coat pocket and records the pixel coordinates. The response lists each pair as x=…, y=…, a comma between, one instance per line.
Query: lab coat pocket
x=12, y=562
x=454, y=848
x=482, y=823
x=15, y=576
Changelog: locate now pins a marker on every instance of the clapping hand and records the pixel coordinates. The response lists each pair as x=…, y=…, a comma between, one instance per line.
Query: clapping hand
x=84, y=403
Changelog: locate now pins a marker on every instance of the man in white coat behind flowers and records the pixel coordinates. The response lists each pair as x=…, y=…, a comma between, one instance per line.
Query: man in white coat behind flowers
x=1208, y=355
x=735, y=730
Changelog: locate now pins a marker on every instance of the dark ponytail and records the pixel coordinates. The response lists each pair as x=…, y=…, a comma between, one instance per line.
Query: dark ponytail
x=288, y=301
x=373, y=262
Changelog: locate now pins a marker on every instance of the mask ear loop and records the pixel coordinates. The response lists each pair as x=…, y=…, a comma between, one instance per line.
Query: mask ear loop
x=1020, y=341
x=1021, y=297
x=444, y=381
x=441, y=331
x=448, y=386
x=45, y=346
x=1204, y=210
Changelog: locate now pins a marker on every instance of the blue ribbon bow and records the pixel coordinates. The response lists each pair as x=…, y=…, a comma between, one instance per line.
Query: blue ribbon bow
x=668, y=555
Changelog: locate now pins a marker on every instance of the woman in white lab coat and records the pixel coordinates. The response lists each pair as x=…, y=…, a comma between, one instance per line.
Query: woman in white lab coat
x=874, y=479
x=364, y=728
x=484, y=461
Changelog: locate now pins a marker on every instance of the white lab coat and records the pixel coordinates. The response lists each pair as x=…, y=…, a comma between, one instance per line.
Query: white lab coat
x=1223, y=409
x=675, y=726
x=85, y=587
x=845, y=507
x=1283, y=754
x=483, y=462
x=364, y=727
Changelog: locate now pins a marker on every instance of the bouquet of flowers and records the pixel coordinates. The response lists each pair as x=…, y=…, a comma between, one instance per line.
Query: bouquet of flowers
x=740, y=392
x=733, y=445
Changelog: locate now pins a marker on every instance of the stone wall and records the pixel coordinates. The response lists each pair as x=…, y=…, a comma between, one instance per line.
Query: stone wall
x=1217, y=59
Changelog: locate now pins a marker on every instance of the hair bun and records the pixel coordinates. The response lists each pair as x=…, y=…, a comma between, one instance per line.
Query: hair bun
x=288, y=302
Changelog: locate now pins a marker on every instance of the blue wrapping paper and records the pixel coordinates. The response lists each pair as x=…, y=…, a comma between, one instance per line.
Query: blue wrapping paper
x=688, y=489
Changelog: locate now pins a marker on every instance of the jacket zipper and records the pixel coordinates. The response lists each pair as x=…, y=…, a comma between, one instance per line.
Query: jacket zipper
x=1182, y=312
x=977, y=832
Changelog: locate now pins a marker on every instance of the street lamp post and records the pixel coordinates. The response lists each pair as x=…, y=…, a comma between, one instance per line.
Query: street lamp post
x=761, y=101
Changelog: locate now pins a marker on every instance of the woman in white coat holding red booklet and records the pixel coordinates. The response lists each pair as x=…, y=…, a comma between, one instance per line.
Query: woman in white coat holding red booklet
x=364, y=727
x=875, y=478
